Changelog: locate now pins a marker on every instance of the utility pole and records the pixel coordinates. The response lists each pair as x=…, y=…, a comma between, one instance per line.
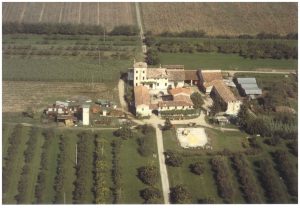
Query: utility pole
x=76, y=155
x=64, y=197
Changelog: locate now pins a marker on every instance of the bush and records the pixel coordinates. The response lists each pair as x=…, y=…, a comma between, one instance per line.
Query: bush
x=151, y=195
x=173, y=159
x=152, y=57
x=128, y=30
x=197, y=168
x=124, y=132
x=148, y=174
x=180, y=195
x=197, y=100
x=145, y=146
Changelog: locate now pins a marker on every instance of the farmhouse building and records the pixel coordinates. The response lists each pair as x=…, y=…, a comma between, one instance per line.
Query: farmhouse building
x=170, y=76
x=212, y=83
x=162, y=89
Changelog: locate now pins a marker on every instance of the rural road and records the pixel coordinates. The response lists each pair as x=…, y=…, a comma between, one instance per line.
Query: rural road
x=162, y=165
x=268, y=71
x=139, y=21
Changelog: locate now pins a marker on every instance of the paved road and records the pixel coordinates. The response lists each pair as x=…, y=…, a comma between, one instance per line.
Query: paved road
x=162, y=165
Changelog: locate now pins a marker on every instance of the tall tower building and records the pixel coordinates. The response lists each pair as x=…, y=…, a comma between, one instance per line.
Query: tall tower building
x=139, y=73
x=85, y=114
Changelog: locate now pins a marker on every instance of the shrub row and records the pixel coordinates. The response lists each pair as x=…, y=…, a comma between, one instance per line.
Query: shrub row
x=10, y=160
x=288, y=171
x=66, y=29
x=271, y=183
x=145, y=143
x=101, y=190
x=26, y=175
x=222, y=177
x=201, y=34
x=82, y=170
x=116, y=171
x=41, y=181
x=246, y=179
x=60, y=172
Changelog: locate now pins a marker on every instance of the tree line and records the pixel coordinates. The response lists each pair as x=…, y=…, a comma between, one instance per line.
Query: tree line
x=40, y=188
x=270, y=182
x=101, y=190
x=203, y=34
x=246, y=179
x=116, y=171
x=222, y=177
x=10, y=160
x=83, y=169
x=26, y=171
x=252, y=49
x=66, y=29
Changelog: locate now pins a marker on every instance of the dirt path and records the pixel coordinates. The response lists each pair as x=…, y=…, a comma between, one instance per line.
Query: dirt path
x=139, y=22
x=121, y=87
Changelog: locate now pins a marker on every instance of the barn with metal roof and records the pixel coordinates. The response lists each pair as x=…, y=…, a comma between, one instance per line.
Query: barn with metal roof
x=249, y=86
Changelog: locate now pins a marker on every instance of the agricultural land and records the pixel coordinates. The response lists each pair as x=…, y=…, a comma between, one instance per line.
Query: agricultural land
x=82, y=52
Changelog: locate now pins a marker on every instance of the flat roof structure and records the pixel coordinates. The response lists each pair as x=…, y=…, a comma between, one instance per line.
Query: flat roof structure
x=249, y=85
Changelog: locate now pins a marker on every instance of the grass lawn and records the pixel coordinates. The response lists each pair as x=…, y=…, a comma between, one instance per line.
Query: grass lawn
x=131, y=160
x=202, y=186
x=9, y=197
x=223, y=61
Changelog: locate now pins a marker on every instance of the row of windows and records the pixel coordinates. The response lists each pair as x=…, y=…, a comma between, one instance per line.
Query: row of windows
x=176, y=107
x=138, y=72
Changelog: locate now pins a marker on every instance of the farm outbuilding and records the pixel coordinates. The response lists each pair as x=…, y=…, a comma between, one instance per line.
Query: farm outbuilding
x=249, y=86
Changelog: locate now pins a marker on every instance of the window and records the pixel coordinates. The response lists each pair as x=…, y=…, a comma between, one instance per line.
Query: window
x=143, y=72
x=168, y=107
x=143, y=78
x=166, y=84
x=182, y=107
x=136, y=78
x=175, y=107
x=142, y=109
x=136, y=72
x=136, y=84
x=157, y=84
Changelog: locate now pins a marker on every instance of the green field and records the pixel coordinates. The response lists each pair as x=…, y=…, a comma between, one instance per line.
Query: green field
x=130, y=161
x=80, y=58
x=204, y=186
x=223, y=61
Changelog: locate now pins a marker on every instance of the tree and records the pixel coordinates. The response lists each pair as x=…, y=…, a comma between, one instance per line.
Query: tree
x=168, y=125
x=148, y=174
x=151, y=195
x=180, y=195
x=197, y=168
x=124, y=132
x=197, y=100
x=173, y=159
x=152, y=57
x=145, y=146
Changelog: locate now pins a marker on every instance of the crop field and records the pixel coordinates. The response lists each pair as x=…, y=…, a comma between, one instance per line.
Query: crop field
x=220, y=18
x=205, y=188
x=68, y=58
x=41, y=94
x=108, y=15
x=54, y=165
x=224, y=61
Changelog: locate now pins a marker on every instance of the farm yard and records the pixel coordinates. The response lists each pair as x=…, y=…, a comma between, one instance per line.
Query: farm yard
x=206, y=186
x=108, y=14
x=220, y=18
x=53, y=175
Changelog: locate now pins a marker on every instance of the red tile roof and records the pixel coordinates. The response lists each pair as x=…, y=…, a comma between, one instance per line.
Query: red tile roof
x=176, y=91
x=141, y=95
x=210, y=75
